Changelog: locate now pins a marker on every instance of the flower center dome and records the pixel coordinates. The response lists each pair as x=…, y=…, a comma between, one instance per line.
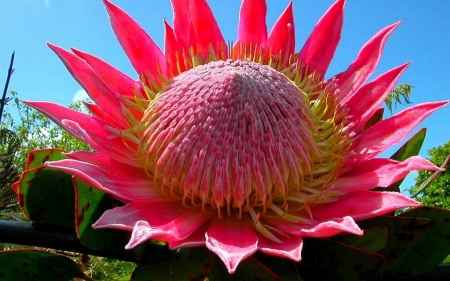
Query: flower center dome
x=230, y=135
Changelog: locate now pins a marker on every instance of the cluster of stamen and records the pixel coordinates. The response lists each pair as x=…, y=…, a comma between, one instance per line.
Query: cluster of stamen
x=254, y=134
x=231, y=135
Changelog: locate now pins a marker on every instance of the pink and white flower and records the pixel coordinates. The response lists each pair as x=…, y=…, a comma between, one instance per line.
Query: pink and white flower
x=241, y=147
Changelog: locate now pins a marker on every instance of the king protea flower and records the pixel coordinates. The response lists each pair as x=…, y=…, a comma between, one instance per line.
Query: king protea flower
x=240, y=147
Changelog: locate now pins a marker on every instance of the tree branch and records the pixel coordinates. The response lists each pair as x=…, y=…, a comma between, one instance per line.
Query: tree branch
x=5, y=89
x=25, y=233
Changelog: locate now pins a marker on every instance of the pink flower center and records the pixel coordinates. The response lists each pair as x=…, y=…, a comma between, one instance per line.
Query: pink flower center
x=229, y=135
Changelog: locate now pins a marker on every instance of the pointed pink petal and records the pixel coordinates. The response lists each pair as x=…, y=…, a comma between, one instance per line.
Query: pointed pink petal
x=126, y=189
x=96, y=111
x=282, y=36
x=144, y=54
x=389, y=132
x=381, y=172
x=232, y=240
x=88, y=129
x=173, y=52
x=291, y=247
x=196, y=15
x=160, y=220
x=371, y=96
x=332, y=227
x=118, y=82
x=104, y=142
x=196, y=239
x=363, y=66
x=321, y=45
x=87, y=78
x=182, y=24
x=104, y=162
x=252, y=29
x=317, y=228
x=362, y=205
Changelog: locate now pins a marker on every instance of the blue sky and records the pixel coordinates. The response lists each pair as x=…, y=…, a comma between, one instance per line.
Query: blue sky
x=423, y=38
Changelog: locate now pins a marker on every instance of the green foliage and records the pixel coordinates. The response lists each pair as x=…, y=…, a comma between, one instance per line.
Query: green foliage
x=35, y=131
x=9, y=173
x=401, y=92
x=438, y=191
x=38, y=265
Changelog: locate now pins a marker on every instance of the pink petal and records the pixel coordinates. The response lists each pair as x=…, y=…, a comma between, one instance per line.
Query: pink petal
x=182, y=24
x=116, y=148
x=291, y=247
x=196, y=15
x=118, y=82
x=232, y=240
x=317, y=228
x=174, y=53
x=282, y=36
x=332, y=227
x=160, y=220
x=381, y=172
x=104, y=162
x=144, y=54
x=97, y=90
x=368, y=99
x=362, y=205
x=124, y=188
x=363, y=66
x=98, y=112
x=389, y=132
x=321, y=45
x=252, y=29
x=88, y=129
x=196, y=239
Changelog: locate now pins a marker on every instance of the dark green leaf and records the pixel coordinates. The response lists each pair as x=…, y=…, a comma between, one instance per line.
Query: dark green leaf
x=432, y=249
x=34, y=265
x=47, y=197
x=329, y=260
x=90, y=204
x=373, y=239
x=411, y=147
x=184, y=264
x=404, y=234
x=285, y=269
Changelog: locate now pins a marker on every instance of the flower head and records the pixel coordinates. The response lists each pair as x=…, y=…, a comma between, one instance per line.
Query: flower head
x=237, y=148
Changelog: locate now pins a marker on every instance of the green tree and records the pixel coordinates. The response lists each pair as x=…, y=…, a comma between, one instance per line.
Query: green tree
x=36, y=131
x=32, y=130
x=437, y=193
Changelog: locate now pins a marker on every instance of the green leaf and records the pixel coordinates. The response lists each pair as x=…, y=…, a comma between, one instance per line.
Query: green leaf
x=183, y=264
x=373, y=239
x=329, y=260
x=432, y=249
x=411, y=147
x=47, y=196
x=34, y=265
x=90, y=204
x=198, y=264
x=404, y=234
x=37, y=158
x=284, y=269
